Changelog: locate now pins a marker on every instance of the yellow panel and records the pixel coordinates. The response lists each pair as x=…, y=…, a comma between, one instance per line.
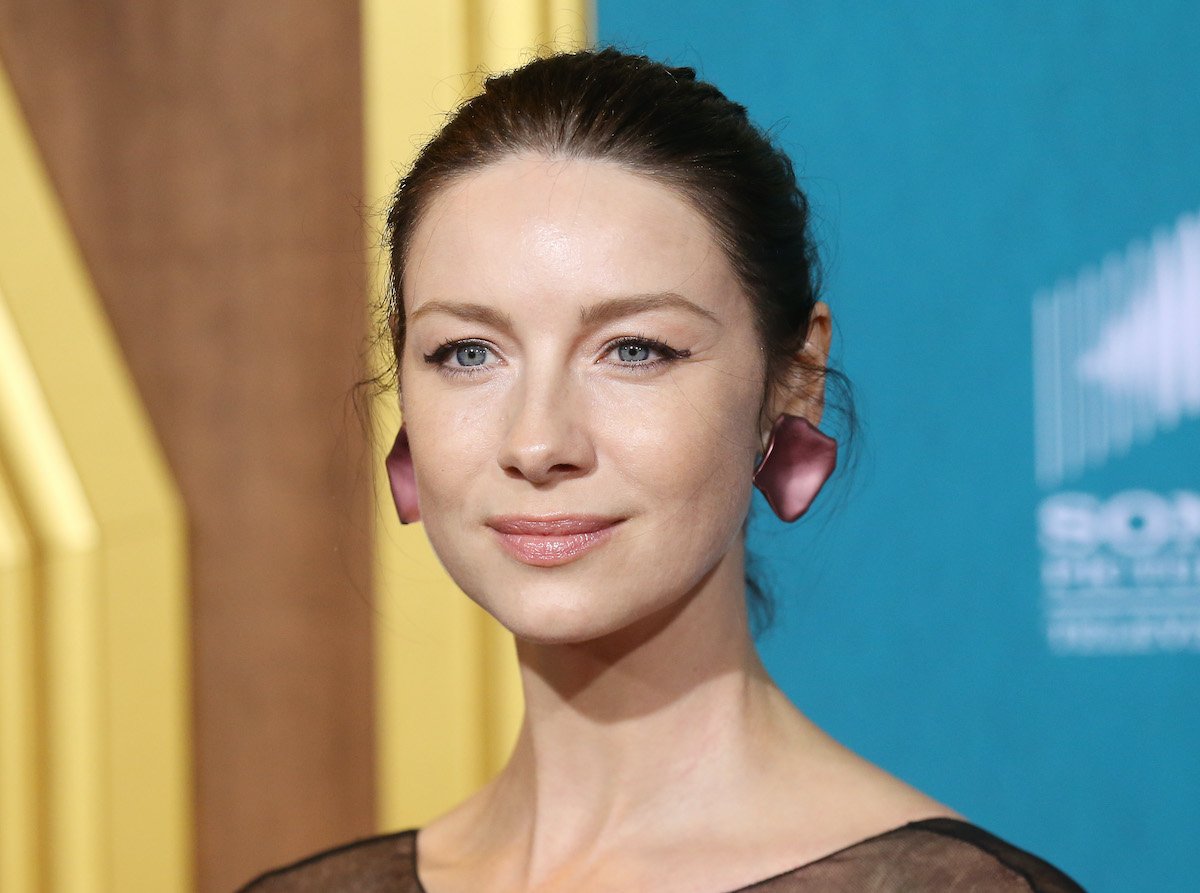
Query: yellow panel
x=146, y=631
x=569, y=25
x=20, y=826
x=66, y=539
x=109, y=535
x=449, y=701
x=77, y=790
x=507, y=33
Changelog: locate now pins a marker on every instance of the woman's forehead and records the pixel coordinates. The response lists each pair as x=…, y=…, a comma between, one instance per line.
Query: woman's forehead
x=532, y=226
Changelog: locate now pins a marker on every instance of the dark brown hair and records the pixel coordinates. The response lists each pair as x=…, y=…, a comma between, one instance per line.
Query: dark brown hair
x=664, y=123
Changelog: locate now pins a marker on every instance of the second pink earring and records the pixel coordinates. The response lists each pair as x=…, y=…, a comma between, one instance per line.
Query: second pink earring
x=402, y=479
x=797, y=462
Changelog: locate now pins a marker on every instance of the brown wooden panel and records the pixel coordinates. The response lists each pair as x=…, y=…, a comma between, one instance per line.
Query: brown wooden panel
x=209, y=155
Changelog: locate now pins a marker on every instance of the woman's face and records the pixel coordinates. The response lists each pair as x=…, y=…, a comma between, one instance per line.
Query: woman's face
x=581, y=383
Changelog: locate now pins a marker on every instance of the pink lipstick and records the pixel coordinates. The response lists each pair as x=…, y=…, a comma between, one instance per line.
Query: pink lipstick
x=551, y=541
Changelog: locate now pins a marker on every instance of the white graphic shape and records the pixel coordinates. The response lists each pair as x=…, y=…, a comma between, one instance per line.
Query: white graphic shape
x=1117, y=353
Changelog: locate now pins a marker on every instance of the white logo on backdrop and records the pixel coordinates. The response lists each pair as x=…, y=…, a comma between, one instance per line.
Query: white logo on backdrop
x=1117, y=353
x=1117, y=363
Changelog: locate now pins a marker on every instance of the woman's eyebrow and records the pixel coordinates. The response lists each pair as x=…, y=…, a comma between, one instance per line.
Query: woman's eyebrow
x=470, y=312
x=589, y=317
x=615, y=308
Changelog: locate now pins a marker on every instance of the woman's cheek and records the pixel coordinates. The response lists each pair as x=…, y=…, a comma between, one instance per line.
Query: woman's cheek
x=720, y=463
x=445, y=447
x=679, y=451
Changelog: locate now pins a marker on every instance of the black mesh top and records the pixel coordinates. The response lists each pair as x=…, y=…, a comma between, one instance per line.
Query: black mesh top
x=932, y=854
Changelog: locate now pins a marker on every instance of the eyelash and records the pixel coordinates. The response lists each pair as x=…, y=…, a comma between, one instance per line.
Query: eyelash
x=667, y=354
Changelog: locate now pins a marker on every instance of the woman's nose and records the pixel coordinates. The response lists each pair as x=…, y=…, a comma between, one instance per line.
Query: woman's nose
x=547, y=436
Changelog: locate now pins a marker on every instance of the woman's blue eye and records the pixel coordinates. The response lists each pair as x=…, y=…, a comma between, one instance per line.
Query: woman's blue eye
x=470, y=354
x=645, y=353
x=633, y=352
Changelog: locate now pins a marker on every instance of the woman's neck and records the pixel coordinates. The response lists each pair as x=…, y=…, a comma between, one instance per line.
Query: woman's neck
x=664, y=744
x=627, y=735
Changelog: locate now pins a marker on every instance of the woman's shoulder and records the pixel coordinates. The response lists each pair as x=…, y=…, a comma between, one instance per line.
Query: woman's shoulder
x=929, y=854
x=386, y=862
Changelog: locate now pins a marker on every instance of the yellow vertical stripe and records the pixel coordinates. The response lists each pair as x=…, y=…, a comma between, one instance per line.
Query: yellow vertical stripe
x=51, y=497
x=569, y=23
x=20, y=839
x=108, y=628
x=506, y=34
x=449, y=701
x=147, y=683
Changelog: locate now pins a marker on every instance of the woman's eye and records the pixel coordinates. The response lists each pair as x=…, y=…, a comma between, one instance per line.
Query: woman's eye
x=461, y=357
x=644, y=353
x=633, y=352
x=470, y=354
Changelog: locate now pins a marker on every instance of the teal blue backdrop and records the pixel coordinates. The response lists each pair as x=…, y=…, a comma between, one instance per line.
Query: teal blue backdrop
x=1002, y=604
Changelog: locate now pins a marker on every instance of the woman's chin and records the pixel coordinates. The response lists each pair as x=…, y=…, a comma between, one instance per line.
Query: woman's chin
x=556, y=620
x=560, y=618
x=559, y=627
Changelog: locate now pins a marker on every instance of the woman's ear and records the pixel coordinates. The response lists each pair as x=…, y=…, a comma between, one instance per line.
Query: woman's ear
x=800, y=391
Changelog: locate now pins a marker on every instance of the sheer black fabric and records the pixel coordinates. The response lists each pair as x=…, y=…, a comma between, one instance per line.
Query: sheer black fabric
x=933, y=854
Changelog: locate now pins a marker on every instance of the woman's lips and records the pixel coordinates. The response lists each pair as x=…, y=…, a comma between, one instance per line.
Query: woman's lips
x=547, y=542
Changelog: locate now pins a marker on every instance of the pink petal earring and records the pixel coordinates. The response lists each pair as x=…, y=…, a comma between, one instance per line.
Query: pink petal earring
x=797, y=462
x=404, y=482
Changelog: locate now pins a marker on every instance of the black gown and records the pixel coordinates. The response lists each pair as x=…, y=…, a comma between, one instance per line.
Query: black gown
x=928, y=855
